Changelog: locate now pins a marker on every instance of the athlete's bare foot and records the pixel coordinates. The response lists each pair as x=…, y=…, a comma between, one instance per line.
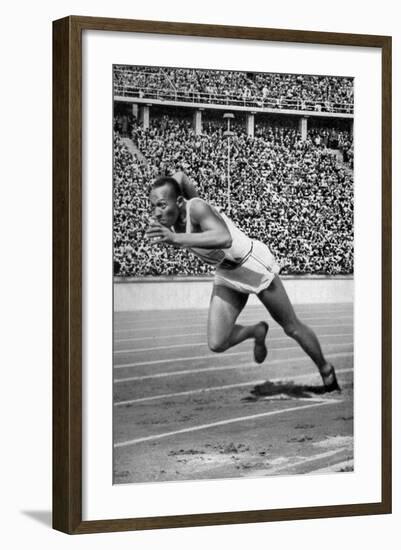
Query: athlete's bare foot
x=260, y=349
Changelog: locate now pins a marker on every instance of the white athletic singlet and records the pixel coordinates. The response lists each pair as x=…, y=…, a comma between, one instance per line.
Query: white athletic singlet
x=234, y=256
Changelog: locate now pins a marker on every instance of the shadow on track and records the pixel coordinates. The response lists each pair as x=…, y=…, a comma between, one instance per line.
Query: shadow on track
x=284, y=390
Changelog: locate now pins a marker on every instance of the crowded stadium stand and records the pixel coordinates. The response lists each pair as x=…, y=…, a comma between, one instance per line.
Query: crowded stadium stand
x=290, y=184
x=261, y=90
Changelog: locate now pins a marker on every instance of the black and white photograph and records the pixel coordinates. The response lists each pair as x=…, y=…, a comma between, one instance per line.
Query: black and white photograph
x=204, y=352
x=233, y=264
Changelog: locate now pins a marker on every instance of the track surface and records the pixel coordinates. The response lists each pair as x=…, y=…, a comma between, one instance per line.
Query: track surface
x=182, y=412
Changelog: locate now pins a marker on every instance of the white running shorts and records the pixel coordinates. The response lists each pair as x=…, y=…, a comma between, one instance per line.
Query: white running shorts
x=254, y=275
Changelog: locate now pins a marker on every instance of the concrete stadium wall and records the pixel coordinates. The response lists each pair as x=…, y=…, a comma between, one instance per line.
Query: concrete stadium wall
x=164, y=293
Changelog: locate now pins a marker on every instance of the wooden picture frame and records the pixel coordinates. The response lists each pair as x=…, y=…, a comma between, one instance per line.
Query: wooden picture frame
x=67, y=274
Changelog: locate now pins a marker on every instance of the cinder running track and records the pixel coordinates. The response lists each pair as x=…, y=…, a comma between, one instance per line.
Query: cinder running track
x=182, y=412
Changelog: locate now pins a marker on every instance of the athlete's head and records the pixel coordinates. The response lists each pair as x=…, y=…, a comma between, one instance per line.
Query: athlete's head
x=166, y=200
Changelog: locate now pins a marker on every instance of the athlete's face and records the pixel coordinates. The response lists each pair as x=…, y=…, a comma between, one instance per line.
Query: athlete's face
x=165, y=205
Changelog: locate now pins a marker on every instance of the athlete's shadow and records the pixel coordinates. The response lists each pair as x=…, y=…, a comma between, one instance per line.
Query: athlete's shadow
x=284, y=390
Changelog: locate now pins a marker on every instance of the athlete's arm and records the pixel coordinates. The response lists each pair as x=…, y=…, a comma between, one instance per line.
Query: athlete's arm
x=214, y=232
x=187, y=185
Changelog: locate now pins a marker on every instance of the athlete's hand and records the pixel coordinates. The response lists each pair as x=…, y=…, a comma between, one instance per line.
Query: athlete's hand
x=158, y=233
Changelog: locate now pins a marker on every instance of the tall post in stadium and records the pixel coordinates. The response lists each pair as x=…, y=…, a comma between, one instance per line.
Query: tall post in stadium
x=228, y=133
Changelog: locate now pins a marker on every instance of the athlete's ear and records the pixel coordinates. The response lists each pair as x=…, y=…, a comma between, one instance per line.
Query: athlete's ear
x=180, y=201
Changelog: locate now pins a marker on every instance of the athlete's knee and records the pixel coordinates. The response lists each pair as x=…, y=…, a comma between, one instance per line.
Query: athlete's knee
x=217, y=346
x=293, y=329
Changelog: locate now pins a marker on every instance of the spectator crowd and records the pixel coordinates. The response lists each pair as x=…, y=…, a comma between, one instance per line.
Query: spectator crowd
x=273, y=90
x=294, y=195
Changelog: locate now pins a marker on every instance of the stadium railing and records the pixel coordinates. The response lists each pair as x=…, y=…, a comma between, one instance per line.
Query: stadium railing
x=232, y=98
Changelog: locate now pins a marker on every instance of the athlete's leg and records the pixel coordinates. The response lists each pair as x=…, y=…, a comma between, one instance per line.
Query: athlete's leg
x=223, y=332
x=276, y=300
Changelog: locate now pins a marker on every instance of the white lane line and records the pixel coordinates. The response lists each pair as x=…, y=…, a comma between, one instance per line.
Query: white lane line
x=160, y=336
x=253, y=318
x=334, y=467
x=185, y=325
x=174, y=346
x=223, y=423
x=208, y=356
x=288, y=466
x=218, y=388
x=126, y=315
x=230, y=367
x=202, y=333
x=203, y=312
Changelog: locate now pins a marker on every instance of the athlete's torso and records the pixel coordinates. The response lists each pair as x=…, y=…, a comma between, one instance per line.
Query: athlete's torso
x=240, y=247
